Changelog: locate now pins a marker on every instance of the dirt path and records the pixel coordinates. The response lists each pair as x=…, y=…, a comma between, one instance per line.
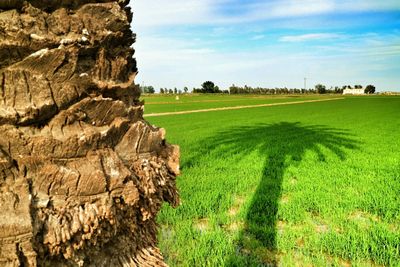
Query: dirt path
x=240, y=107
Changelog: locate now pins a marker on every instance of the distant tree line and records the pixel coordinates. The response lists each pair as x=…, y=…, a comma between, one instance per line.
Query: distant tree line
x=209, y=87
x=266, y=91
x=319, y=89
x=173, y=91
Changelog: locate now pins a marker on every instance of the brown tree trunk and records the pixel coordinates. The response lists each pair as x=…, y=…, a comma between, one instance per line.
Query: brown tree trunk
x=82, y=175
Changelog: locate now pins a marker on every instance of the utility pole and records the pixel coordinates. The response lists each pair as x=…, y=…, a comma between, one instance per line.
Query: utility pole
x=305, y=83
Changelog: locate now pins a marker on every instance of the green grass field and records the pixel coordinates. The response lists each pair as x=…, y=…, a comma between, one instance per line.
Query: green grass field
x=313, y=184
x=168, y=103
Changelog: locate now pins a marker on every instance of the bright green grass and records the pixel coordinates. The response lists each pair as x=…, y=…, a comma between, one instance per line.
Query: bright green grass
x=153, y=98
x=168, y=103
x=309, y=184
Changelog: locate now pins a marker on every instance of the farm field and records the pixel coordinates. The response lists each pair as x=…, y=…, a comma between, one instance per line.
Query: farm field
x=311, y=184
x=168, y=103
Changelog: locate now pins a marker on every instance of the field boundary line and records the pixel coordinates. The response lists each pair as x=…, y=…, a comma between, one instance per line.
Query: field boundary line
x=240, y=107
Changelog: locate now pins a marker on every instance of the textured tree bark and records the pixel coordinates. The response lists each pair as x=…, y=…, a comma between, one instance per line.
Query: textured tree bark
x=82, y=175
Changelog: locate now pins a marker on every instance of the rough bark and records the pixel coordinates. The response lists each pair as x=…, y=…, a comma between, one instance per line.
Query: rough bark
x=82, y=174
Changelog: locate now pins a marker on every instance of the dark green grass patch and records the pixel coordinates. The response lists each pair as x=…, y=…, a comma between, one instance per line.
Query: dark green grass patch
x=311, y=184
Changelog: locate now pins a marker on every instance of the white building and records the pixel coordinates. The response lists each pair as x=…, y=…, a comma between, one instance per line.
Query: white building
x=353, y=92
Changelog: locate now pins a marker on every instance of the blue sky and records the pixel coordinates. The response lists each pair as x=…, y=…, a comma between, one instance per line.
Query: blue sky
x=267, y=43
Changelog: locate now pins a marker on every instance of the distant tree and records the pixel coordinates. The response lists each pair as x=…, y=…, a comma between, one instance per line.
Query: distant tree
x=185, y=89
x=179, y=91
x=162, y=91
x=147, y=89
x=150, y=90
x=370, y=89
x=175, y=90
x=170, y=91
x=338, y=90
x=209, y=87
x=320, y=88
x=233, y=89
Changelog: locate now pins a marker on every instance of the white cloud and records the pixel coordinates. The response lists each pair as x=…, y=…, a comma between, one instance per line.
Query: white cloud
x=169, y=62
x=166, y=59
x=175, y=12
x=304, y=8
x=159, y=13
x=293, y=8
x=309, y=37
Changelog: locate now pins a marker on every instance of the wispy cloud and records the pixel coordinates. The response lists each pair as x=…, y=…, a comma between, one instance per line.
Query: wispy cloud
x=186, y=63
x=195, y=12
x=309, y=37
x=267, y=43
x=258, y=37
x=294, y=8
x=159, y=13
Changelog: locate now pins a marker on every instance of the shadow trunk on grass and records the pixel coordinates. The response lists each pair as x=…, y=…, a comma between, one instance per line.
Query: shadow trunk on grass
x=279, y=145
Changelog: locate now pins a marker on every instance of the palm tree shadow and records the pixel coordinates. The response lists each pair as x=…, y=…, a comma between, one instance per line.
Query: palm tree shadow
x=280, y=145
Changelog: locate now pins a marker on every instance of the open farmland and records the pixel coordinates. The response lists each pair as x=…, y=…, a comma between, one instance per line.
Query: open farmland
x=307, y=184
x=169, y=103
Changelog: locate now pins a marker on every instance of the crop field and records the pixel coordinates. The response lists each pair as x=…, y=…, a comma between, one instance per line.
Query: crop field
x=311, y=184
